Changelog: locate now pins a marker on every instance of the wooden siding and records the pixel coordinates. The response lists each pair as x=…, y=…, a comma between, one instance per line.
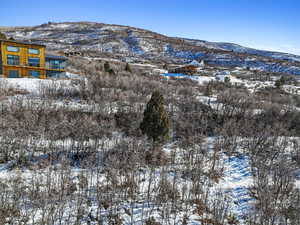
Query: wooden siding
x=189, y=69
x=23, y=53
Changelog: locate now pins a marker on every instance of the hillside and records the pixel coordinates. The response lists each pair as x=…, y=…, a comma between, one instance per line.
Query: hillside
x=72, y=152
x=129, y=42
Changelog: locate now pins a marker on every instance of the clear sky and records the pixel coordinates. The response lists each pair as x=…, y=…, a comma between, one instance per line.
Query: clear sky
x=263, y=24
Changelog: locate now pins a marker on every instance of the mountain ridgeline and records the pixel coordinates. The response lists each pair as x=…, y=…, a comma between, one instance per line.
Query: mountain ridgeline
x=124, y=41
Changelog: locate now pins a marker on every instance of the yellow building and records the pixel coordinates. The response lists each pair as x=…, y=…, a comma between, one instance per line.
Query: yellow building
x=21, y=59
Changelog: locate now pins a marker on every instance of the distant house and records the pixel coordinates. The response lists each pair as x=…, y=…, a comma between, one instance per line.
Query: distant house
x=190, y=69
x=198, y=64
x=23, y=59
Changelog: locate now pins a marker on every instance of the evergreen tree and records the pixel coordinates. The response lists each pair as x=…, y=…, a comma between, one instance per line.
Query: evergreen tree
x=106, y=67
x=227, y=80
x=156, y=121
x=280, y=82
x=2, y=36
x=111, y=72
x=128, y=68
x=208, y=89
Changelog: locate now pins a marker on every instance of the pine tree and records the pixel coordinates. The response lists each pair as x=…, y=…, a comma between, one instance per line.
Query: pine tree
x=128, y=68
x=280, y=82
x=106, y=67
x=208, y=89
x=227, y=80
x=2, y=36
x=156, y=121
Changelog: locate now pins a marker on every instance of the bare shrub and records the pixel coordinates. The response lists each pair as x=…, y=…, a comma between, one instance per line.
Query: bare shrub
x=151, y=221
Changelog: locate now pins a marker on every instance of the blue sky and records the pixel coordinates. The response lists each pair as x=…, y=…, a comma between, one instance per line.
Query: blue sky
x=263, y=24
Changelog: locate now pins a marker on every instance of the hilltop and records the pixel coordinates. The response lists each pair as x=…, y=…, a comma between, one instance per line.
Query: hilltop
x=130, y=43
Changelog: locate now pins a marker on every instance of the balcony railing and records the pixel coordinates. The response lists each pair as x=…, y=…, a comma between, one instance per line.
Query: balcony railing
x=12, y=62
x=55, y=67
x=33, y=64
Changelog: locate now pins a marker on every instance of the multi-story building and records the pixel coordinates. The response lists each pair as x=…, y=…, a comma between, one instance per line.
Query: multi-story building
x=22, y=59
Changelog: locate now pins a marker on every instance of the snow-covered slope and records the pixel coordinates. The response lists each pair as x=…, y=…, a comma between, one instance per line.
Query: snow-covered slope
x=127, y=41
x=241, y=49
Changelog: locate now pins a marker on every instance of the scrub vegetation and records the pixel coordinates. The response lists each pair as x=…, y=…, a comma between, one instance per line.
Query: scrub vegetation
x=81, y=151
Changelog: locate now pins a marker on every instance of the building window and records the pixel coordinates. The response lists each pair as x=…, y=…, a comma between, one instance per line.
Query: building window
x=13, y=74
x=13, y=49
x=33, y=51
x=13, y=60
x=34, y=62
x=55, y=64
x=55, y=74
x=34, y=73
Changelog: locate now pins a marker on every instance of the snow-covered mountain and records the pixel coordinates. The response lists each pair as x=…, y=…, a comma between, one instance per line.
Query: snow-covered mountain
x=241, y=49
x=127, y=41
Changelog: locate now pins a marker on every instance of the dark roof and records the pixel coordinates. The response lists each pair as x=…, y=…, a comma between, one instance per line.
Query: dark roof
x=56, y=57
x=21, y=42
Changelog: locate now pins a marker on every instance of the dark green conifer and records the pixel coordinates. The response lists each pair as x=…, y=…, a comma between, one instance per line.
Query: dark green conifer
x=128, y=68
x=106, y=67
x=156, y=121
x=165, y=67
x=2, y=36
x=280, y=82
x=208, y=89
x=227, y=80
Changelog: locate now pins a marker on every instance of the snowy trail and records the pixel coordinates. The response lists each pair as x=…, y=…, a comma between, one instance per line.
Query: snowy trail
x=238, y=179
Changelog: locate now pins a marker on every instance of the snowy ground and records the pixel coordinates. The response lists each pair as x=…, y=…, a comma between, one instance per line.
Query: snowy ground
x=199, y=79
x=33, y=85
x=250, y=85
x=237, y=180
x=237, y=171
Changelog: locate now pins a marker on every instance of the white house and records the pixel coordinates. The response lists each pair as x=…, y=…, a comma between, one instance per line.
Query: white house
x=198, y=64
